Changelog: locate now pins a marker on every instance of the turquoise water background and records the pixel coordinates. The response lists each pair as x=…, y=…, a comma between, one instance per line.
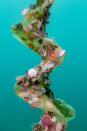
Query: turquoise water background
x=68, y=27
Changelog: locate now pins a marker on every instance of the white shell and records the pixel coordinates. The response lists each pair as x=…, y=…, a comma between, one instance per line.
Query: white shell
x=47, y=66
x=50, y=1
x=25, y=11
x=30, y=102
x=35, y=99
x=32, y=72
x=58, y=127
x=53, y=119
x=25, y=94
x=62, y=53
x=30, y=27
x=19, y=77
x=46, y=129
x=34, y=96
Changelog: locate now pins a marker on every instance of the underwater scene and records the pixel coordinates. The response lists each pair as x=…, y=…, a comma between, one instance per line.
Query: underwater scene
x=43, y=87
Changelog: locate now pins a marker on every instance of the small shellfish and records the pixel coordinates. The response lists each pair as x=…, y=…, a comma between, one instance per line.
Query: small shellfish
x=25, y=11
x=58, y=127
x=32, y=72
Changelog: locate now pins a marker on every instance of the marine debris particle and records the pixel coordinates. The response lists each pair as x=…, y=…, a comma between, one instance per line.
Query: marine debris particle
x=33, y=87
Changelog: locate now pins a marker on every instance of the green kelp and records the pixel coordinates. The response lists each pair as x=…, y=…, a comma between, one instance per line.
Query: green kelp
x=33, y=87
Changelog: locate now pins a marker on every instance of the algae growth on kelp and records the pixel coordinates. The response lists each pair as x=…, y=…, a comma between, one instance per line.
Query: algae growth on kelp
x=33, y=87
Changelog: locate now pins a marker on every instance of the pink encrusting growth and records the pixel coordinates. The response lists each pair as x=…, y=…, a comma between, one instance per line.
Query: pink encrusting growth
x=33, y=87
x=46, y=121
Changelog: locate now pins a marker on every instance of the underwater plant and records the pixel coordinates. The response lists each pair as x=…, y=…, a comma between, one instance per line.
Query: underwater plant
x=33, y=87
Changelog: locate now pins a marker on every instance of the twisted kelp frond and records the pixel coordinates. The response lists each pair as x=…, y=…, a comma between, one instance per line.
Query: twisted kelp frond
x=33, y=87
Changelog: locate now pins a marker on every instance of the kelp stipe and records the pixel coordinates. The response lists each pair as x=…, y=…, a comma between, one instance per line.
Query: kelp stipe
x=33, y=87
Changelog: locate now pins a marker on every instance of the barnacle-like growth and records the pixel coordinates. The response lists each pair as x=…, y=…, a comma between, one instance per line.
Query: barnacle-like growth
x=33, y=87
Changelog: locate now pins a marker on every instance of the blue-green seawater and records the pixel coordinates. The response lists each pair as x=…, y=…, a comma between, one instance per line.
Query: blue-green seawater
x=68, y=27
